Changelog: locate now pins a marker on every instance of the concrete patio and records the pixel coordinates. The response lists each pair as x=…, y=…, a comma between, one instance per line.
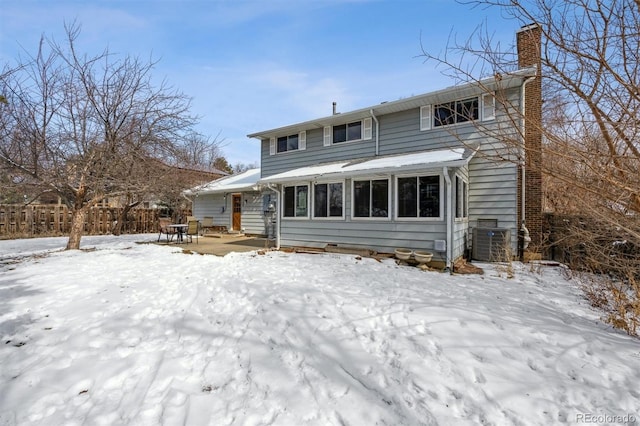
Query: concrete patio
x=221, y=244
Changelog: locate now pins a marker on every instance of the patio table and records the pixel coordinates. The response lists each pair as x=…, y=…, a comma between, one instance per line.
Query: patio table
x=180, y=228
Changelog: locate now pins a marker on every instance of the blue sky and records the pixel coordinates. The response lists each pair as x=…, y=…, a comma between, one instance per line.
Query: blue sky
x=252, y=65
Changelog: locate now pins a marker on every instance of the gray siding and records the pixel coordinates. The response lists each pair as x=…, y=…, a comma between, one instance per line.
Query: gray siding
x=314, y=154
x=253, y=220
x=493, y=178
x=211, y=205
x=492, y=183
x=381, y=235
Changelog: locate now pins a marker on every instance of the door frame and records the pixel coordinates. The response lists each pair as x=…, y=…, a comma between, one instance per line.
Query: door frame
x=235, y=214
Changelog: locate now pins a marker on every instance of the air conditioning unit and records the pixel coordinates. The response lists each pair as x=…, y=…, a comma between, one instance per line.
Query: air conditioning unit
x=491, y=244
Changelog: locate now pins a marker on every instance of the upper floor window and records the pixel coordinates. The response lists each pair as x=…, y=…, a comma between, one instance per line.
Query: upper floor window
x=288, y=143
x=347, y=132
x=460, y=111
x=455, y=112
x=354, y=131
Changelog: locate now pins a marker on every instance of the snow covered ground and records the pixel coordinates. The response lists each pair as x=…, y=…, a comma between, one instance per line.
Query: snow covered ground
x=123, y=333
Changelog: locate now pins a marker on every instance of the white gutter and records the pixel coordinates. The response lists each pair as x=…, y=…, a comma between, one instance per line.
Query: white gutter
x=377, y=131
x=449, y=255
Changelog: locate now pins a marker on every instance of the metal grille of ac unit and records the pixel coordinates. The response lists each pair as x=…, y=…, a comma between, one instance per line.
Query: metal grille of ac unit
x=491, y=244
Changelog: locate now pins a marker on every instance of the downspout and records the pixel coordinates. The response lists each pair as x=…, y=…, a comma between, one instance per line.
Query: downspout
x=278, y=211
x=449, y=252
x=377, y=130
x=523, y=169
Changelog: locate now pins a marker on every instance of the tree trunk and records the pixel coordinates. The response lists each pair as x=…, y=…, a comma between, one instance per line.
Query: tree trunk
x=122, y=217
x=77, y=228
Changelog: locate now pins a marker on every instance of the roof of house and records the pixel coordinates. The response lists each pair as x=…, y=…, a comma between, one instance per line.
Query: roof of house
x=454, y=157
x=245, y=181
x=459, y=92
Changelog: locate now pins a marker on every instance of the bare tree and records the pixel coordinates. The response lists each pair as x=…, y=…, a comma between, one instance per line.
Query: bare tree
x=590, y=69
x=200, y=152
x=89, y=127
x=243, y=167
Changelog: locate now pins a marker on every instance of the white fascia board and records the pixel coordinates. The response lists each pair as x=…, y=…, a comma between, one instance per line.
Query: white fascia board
x=246, y=181
x=391, y=164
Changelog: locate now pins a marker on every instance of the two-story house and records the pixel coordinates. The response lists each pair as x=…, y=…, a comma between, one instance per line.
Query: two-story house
x=416, y=173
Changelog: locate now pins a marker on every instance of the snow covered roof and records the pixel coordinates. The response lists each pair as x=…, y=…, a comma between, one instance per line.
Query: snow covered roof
x=245, y=181
x=454, y=157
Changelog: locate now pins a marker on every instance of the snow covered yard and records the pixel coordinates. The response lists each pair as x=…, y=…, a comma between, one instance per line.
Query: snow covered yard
x=146, y=335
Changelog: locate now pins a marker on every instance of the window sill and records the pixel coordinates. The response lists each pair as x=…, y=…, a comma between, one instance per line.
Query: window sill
x=349, y=142
x=370, y=219
x=419, y=219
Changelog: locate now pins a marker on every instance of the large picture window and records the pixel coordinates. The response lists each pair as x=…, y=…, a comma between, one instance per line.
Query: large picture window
x=296, y=201
x=327, y=200
x=418, y=197
x=371, y=198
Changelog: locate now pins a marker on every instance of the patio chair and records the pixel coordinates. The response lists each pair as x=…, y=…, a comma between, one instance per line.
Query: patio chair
x=163, y=228
x=207, y=224
x=192, y=229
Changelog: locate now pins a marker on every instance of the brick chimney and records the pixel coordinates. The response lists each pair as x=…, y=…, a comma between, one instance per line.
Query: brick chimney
x=529, y=53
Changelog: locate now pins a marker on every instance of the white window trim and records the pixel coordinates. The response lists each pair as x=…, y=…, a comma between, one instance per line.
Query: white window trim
x=283, y=217
x=362, y=132
x=462, y=123
x=465, y=214
x=389, y=199
x=492, y=115
x=302, y=144
x=439, y=218
x=313, y=201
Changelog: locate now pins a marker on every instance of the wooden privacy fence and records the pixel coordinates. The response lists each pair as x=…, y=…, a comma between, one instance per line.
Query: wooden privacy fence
x=49, y=220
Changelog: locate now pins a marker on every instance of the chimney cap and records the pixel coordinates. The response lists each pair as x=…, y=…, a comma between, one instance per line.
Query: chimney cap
x=529, y=27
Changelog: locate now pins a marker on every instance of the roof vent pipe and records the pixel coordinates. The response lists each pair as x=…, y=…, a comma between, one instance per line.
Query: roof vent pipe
x=334, y=109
